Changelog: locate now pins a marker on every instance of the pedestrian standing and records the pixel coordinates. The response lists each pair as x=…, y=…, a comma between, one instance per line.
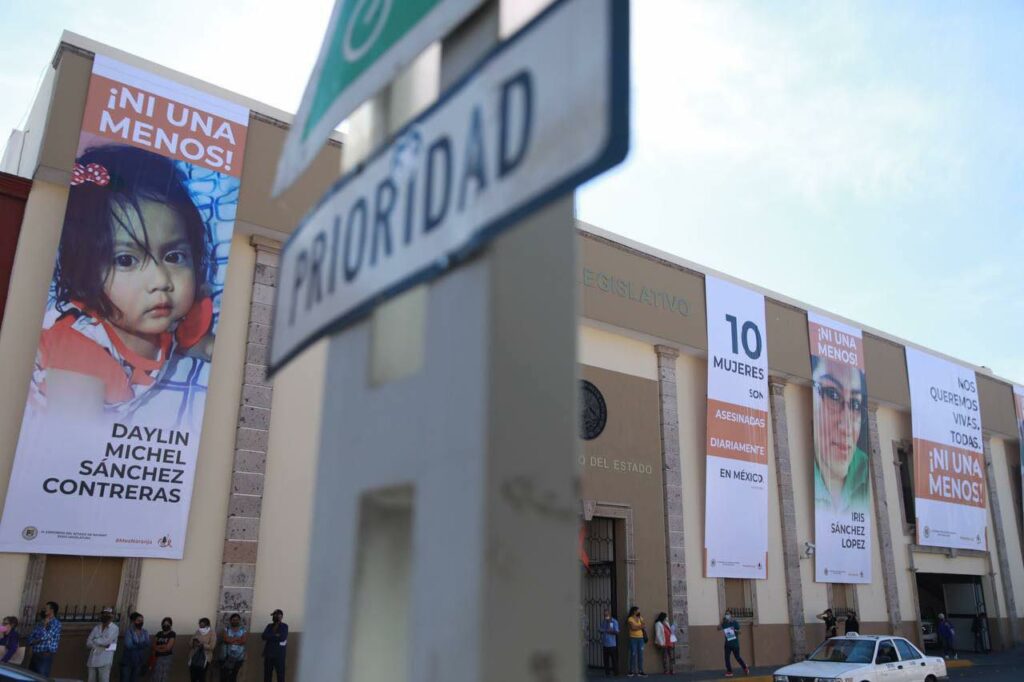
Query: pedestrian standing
x=979, y=628
x=163, y=648
x=609, y=630
x=201, y=651
x=665, y=639
x=233, y=638
x=13, y=652
x=852, y=624
x=44, y=640
x=637, y=640
x=830, y=623
x=947, y=634
x=275, y=641
x=101, y=643
x=731, y=630
x=136, y=649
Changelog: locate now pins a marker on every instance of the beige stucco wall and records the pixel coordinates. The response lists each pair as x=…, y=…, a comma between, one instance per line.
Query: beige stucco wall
x=19, y=336
x=188, y=589
x=1002, y=473
x=287, y=517
x=608, y=350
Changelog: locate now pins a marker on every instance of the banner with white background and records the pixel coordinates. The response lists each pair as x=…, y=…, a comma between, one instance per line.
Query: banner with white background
x=949, y=465
x=736, y=492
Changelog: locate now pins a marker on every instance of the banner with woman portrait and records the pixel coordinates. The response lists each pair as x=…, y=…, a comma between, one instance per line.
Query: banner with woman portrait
x=107, y=451
x=842, y=484
x=950, y=496
x=736, y=484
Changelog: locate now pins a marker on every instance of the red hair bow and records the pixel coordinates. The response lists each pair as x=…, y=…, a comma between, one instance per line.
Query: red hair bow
x=94, y=173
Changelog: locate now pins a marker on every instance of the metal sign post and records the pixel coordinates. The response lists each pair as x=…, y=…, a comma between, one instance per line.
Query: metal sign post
x=446, y=510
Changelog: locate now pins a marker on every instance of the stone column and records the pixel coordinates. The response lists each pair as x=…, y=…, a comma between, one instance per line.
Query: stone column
x=30, y=590
x=1000, y=548
x=673, y=489
x=241, y=541
x=128, y=591
x=885, y=545
x=787, y=508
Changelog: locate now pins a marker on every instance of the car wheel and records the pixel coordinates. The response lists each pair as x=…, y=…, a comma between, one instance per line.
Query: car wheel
x=930, y=678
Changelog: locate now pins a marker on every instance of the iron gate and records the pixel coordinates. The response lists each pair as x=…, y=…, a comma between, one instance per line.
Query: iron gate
x=598, y=589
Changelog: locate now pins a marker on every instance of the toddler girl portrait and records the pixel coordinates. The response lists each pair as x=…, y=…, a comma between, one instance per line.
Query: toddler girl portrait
x=131, y=289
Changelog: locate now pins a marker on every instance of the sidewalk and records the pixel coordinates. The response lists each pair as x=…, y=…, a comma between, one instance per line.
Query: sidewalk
x=1014, y=657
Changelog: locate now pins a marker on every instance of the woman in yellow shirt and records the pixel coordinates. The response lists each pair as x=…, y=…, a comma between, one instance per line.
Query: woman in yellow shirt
x=637, y=640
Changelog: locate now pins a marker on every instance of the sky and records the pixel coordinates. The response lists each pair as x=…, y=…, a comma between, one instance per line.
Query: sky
x=866, y=158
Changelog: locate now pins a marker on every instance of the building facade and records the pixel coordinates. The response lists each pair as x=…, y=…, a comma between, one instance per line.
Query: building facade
x=642, y=358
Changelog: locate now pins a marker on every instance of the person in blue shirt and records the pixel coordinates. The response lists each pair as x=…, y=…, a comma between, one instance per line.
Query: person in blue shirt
x=44, y=640
x=137, y=645
x=275, y=640
x=609, y=629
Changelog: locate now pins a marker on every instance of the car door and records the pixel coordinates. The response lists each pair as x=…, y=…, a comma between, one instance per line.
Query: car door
x=887, y=663
x=915, y=667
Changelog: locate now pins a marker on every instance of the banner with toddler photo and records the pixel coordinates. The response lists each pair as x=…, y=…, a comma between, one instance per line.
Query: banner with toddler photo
x=107, y=451
x=736, y=483
x=950, y=496
x=842, y=484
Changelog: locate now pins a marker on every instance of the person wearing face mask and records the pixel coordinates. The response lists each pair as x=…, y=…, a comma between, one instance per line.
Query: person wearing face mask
x=13, y=652
x=101, y=643
x=201, y=653
x=233, y=638
x=163, y=647
x=731, y=629
x=136, y=649
x=275, y=639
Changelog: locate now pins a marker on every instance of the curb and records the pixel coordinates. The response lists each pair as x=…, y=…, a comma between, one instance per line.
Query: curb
x=960, y=663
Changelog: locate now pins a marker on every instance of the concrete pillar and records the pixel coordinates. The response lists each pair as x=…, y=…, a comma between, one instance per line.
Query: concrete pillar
x=241, y=538
x=1000, y=548
x=30, y=590
x=673, y=489
x=884, y=531
x=787, y=508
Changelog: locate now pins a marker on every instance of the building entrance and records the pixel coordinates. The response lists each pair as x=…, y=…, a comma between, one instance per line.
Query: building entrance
x=598, y=588
x=961, y=599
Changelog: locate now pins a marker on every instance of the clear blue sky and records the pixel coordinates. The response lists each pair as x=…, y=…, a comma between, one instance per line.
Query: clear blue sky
x=863, y=157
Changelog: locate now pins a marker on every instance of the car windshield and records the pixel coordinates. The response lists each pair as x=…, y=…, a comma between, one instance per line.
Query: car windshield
x=845, y=651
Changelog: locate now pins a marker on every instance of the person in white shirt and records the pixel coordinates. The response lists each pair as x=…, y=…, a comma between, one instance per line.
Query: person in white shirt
x=101, y=643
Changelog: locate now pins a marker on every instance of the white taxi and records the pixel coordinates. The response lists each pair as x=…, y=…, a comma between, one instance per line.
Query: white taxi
x=865, y=658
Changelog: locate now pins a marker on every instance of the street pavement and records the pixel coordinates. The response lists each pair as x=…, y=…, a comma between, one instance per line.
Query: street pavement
x=1004, y=666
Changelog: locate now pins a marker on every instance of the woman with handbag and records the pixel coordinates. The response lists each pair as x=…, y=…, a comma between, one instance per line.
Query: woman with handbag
x=201, y=652
x=665, y=640
x=233, y=640
x=637, y=641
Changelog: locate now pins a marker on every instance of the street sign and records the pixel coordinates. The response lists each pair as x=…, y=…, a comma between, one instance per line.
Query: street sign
x=543, y=112
x=366, y=44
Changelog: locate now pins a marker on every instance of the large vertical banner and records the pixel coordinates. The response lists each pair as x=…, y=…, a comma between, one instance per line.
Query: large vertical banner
x=842, y=488
x=107, y=451
x=1018, y=401
x=949, y=464
x=736, y=487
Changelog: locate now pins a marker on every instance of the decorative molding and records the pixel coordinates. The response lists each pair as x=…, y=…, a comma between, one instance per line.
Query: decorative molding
x=787, y=511
x=128, y=591
x=672, y=487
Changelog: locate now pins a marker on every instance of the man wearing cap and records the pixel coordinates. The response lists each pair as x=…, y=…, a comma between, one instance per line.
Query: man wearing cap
x=101, y=643
x=275, y=641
